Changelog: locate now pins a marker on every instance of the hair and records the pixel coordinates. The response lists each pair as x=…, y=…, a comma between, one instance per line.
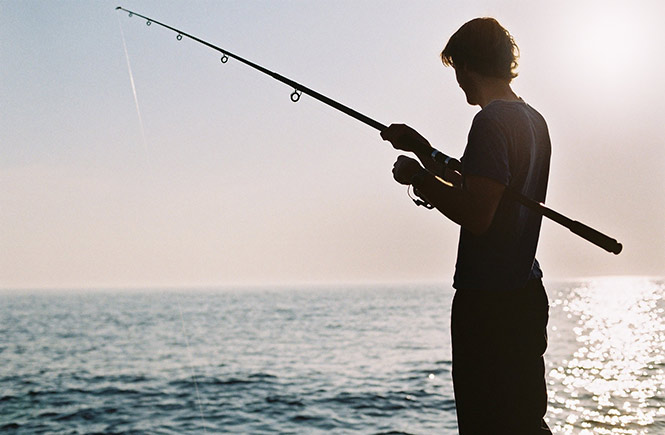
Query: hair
x=482, y=45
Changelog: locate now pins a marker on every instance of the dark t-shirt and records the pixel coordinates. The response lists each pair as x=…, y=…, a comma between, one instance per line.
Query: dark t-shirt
x=508, y=142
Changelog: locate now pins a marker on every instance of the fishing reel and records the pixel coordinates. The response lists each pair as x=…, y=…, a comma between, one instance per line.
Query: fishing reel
x=418, y=199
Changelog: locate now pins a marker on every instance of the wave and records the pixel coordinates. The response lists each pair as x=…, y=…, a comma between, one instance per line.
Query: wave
x=202, y=382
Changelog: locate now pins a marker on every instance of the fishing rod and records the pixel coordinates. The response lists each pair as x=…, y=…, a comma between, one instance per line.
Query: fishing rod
x=578, y=228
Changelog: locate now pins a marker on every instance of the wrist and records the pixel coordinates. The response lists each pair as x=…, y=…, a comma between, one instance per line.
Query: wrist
x=424, y=150
x=418, y=179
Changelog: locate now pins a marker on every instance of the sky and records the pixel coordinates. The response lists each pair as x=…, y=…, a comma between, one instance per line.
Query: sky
x=219, y=179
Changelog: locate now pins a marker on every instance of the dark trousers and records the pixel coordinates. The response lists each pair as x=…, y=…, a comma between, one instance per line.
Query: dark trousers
x=498, y=342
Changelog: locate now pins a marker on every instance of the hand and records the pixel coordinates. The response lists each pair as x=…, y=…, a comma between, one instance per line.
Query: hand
x=405, y=168
x=404, y=138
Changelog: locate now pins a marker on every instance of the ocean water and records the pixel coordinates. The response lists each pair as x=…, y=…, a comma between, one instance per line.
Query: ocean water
x=367, y=360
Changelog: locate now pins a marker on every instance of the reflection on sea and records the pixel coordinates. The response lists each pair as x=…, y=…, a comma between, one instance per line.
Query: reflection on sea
x=607, y=370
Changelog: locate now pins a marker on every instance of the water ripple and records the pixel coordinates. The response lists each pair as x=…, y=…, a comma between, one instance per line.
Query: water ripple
x=617, y=364
x=339, y=360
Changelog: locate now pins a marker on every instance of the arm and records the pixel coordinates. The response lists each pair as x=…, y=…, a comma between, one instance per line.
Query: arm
x=472, y=206
x=405, y=138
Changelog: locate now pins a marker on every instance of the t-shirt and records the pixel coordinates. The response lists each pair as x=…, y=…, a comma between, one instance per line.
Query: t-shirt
x=508, y=142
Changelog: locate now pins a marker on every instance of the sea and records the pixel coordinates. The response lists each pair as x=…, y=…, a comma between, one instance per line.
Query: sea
x=345, y=359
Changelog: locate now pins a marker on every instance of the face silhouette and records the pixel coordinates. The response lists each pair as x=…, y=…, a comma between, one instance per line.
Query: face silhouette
x=465, y=79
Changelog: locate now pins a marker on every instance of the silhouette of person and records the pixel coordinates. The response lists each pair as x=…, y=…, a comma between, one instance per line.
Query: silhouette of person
x=500, y=308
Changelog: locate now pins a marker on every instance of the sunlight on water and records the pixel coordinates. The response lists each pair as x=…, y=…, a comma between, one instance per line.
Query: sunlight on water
x=614, y=382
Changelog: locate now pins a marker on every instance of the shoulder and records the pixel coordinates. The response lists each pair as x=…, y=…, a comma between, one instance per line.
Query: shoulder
x=495, y=113
x=508, y=114
x=489, y=121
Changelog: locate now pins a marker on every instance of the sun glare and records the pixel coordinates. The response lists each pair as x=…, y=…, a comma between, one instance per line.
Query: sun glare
x=611, y=42
x=618, y=364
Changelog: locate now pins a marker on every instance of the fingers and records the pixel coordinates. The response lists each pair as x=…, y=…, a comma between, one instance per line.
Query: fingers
x=404, y=169
x=404, y=160
x=398, y=136
x=393, y=132
x=397, y=174
x=405, y=138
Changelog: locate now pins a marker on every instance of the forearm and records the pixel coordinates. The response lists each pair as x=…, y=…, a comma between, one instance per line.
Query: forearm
x=424, y=154
x=472, y=207
x=440, y=170
x=451, y=201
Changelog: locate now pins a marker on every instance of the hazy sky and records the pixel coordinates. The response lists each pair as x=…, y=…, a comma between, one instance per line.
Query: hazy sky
x=234, y=183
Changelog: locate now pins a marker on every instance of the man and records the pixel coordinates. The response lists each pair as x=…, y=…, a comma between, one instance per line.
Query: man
x=500, y=309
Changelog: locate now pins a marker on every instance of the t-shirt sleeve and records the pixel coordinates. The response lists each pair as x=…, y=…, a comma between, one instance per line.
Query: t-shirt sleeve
x=486, y=153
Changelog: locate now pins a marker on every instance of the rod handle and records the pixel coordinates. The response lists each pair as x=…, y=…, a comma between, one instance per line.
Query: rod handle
x=596, y=237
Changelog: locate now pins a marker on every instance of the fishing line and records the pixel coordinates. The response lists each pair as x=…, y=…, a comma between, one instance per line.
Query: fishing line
x=191, y=368
x=152, y=173
x=590, y=234
x=136, y=99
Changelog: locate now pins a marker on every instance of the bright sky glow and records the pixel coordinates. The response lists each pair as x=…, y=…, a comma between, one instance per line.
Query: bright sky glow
x=236, y=184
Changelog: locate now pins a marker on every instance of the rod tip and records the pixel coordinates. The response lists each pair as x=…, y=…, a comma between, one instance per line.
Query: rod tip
x=119, y=7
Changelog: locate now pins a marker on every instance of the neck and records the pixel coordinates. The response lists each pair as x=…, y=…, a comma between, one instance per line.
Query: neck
x=490, y=89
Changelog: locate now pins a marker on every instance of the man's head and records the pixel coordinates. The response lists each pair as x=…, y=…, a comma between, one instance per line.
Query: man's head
x=482, y=46
x=484, y=56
